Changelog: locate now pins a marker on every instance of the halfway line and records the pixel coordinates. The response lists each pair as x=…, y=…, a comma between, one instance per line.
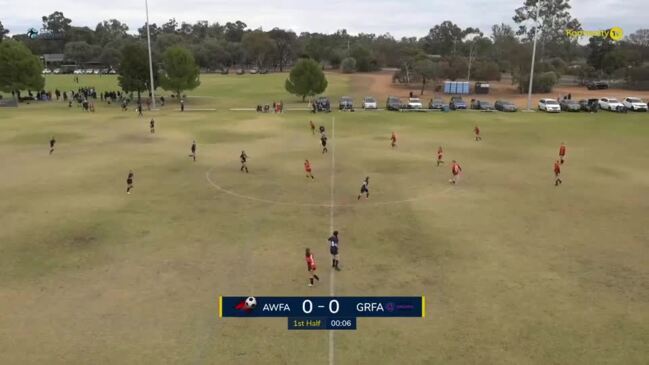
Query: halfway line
x=331, y=226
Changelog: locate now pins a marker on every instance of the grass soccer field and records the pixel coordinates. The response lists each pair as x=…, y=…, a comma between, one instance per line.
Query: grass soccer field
x=514, y=269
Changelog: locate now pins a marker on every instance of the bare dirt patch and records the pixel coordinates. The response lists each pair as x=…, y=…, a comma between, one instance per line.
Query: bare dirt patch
x=380, y=85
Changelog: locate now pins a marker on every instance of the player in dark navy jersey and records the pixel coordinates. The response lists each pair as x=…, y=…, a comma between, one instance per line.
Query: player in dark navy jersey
x=52, y=143
x=193, y=149
x=323, y=140
x=152, y=126
x=244, y=159
x=365, y=188
x=129, y=181
x=333, y=249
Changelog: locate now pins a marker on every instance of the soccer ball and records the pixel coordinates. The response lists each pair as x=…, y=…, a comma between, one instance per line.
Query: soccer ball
x=251, y=303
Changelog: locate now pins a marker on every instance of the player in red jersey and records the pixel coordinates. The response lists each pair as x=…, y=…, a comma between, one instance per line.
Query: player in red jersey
x=476, y=130
x=310, y=265
x=562, y=152
x=440, y=156
x=455, y=170
x=393, y=139
x=557, y=173
x=307, y=169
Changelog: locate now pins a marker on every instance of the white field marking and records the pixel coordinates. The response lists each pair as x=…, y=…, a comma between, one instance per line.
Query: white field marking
x=331, y=226
x=199, y=109
x=269, y=112
x=322, y=205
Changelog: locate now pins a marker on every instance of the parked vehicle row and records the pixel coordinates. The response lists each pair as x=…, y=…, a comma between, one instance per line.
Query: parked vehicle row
x=593, y=105
x=394, y=103
x=89, y=71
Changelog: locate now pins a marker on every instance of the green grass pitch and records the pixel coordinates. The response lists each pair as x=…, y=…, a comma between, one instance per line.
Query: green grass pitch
x=514, y=269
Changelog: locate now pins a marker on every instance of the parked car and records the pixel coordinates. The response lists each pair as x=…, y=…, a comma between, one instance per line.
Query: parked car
x=322, y=104
x=549, y=105
x=611, y=104
x=263, y=71
x=346, y=103
x=635, y=104
x=240, y=71
x=112, y=72
x=369, y=103
x=46, y=71
x=393, y=103
x=482, y=105
x=456, y=103
x=436, y=103
x=253, y=71
x=590, y=105
x=77, y=72
x=597, y=85
x=414, y=103
x=570, y=105
x=505, y=106
x=56, y=71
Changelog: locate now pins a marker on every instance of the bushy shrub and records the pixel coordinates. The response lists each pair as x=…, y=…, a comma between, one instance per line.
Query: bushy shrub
x=543, y=82
x=348, y=65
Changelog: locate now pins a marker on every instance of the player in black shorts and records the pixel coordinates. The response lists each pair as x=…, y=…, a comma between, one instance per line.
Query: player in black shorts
x=321, y=129
x=365, y=188
x=52, y=143
x=129, y=181
x=244, y=159
x=152, y=126
x=333, y=249
x=323, y=140
x=193, y=155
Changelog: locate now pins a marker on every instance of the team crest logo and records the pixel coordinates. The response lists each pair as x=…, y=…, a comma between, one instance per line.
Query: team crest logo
x=247, y=305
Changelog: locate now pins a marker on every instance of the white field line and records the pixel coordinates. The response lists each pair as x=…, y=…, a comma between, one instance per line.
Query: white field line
x=331, y=226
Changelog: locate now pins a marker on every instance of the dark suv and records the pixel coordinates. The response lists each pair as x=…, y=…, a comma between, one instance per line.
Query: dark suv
x=597, y=85
x=322, y=104
x=346, y=103
x=393, y=103
x=457, y=103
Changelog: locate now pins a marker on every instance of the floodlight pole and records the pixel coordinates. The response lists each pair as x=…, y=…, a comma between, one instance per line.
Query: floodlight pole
x=471, y=48
x=536, y=30
x=148, y=40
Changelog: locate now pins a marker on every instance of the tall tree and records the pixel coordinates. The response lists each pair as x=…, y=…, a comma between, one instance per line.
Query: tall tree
x=110, y=30
x=56, y=22
x=285, y=42
x=306, y=79
x=134, y=69
x=19, y=68
x=259, y=47
x=234, y=31
x=81, y=52
x=179, y=71
x=169, y=27
x=3, y=32
x=445, y=38
x=426, y=70
x=554, y=18
x=640, y=37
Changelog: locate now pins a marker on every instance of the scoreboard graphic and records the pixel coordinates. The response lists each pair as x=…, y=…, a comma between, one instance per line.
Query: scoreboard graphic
x=321, y=313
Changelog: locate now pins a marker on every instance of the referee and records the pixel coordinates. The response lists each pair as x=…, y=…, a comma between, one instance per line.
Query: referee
x=333, y=249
